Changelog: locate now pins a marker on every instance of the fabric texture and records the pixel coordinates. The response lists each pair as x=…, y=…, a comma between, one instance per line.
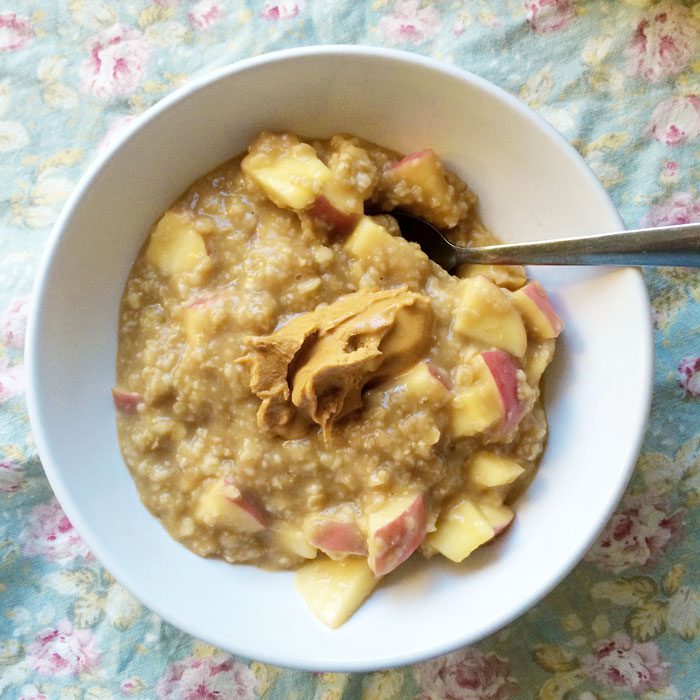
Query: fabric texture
x=619, y=79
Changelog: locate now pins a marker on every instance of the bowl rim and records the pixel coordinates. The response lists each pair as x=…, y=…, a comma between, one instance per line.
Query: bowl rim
x=53, y=472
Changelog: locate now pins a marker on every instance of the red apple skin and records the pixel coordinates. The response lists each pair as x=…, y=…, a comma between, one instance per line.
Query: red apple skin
x=500, y=529
x=125, y=401
x=335, y=537
x=403, y=536
x=247, y=504
x=538, y=295
x=339, y=222
x=504, y=372
x=199, y=300
x=411, y=156
x=203, y=299
x=440, y=374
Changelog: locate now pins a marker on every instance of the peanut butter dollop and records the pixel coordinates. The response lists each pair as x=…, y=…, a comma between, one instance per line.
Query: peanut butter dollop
x=316, y=365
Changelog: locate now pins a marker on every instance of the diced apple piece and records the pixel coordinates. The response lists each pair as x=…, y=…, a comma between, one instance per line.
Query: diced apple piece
x=333, y=590
x=291, y=176
x=335, y=219
x=486, y=470
x=537, y=311
x=504, y=373
x=126, y=401
x=498, y=515
x=202, y=315
x=538, y=358
x=336, y=537
x=486, y=314
x=395, y=531
x=223, y=505
x=461, y=528
x=426, y=382
x=492, y=398
x=339, y=206
x=474, y=410
x=509, y=276
x=293, y=540
x=397, y=260
x=428, y=193
x=343, y=197
x=175, y=247
x=367, y=238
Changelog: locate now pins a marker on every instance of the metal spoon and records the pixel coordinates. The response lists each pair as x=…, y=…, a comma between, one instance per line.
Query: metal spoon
x=666, y=245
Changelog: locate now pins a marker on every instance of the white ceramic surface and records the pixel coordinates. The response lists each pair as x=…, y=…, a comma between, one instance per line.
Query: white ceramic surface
x=531, y=185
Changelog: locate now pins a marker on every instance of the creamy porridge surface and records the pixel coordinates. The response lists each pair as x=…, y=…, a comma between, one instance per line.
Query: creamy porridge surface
x=298, y=385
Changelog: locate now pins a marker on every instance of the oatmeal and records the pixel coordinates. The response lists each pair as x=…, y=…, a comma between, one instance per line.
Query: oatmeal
x=300, y=387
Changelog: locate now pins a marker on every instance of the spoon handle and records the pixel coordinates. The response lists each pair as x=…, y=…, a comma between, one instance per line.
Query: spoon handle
x=665, y=245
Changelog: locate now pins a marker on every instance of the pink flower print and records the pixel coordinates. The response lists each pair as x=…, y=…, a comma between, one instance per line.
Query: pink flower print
x=664, y=42
x=669, y=173
x=410, y=23
x=11, y=379
x=31, y=692
x=51, y=535
x=118, y=59
x=467, y=674
x=689, y=375
x=15, y=32
x=623, y=664
x=211, y=678
x=675, y=121
x=13, y=322
x=63, y=651
x=11, y=477
x=284, y=9
x=132, y=686
x=637, y=534
x=204, y=14
x=547, y=16
x=679, y=208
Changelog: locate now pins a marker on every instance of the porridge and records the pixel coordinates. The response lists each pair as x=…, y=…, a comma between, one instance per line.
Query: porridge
x=298, y=387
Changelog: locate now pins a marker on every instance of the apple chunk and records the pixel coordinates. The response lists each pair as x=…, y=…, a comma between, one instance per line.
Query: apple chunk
x=337, y=220
x=288, y=171
x=175, y=247
x=424, y=382
x=396, y=530
x=333, y=590
x=420, y=186
x=499, y=516
x=293, y=540
x=427, y=382
x=491, y=400
x=203, y=315
x=487, y=470
x=537, y=311
x=126, y=401
x=335, y=536
x=485, y=313
x=509, y=276
x=461, y=528
x=367, y=238
x=504, y=373
x=475, y=409
x=339, y=206
x=223, y=505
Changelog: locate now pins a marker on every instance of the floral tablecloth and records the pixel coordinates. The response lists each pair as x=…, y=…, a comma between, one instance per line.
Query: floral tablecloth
x=619, y=78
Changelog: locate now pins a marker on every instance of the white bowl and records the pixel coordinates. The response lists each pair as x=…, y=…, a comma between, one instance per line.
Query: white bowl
x=531, y=185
